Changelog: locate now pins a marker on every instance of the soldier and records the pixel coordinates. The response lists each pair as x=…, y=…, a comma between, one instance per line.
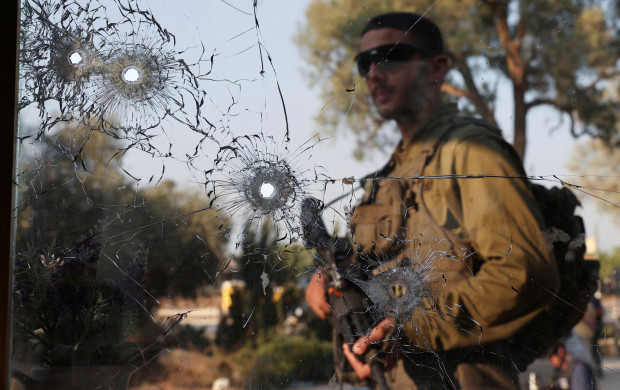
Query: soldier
x=498, y=272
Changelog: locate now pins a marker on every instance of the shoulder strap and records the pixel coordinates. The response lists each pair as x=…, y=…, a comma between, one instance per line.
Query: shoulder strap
x=455, y=124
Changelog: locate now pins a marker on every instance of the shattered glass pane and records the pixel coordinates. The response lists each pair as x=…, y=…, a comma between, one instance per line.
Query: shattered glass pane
x=253, y=181
x=179, y=190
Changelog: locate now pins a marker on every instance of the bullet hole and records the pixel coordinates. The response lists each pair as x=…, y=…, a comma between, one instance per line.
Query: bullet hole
x=267, y=190
x=131, y=75
x=76, y=58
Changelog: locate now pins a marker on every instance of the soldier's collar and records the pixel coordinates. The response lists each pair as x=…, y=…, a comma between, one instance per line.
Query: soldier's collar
x=434, y=126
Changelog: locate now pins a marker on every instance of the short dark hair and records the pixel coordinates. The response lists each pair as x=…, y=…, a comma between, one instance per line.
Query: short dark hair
x=422, y=30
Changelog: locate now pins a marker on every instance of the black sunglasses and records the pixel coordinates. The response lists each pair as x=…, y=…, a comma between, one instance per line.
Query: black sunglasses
x=386, y=56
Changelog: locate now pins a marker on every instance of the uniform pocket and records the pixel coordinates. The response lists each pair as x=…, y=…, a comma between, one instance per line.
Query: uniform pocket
x=379, y=228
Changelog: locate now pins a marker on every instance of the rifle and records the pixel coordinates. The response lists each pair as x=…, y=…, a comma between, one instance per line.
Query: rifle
x=349, y=304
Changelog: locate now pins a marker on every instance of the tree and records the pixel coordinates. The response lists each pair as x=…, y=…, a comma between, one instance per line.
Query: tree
x=72, y=181
x=597, y=166
x=262, y=265
x=555, y=53
x=609, y=261
x=181, y=231
x=68, y=182
x=259, y=251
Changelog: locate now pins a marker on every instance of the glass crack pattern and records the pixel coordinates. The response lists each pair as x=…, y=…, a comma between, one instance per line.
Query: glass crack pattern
x=258, y=181
x=111, y=67
x=159, y=193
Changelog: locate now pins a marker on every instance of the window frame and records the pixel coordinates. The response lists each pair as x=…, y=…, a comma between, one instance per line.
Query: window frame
x=9, y=29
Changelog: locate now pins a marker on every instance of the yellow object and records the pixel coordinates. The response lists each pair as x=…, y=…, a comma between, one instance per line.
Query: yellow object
x=228, y=289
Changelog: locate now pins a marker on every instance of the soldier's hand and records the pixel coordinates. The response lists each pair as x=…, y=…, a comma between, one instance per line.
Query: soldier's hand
x=315, y=295
x=361, y=346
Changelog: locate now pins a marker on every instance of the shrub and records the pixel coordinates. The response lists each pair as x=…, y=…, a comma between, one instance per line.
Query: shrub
x=282, y=360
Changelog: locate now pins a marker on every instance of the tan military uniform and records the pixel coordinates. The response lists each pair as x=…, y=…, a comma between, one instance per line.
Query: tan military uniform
x=455, y=195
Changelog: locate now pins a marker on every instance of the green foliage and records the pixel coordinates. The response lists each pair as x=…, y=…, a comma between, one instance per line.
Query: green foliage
x=293, y=262
x=609, y=261
x=69, y=181
x=519, y=41
x=262, y=265
x=63, y=306
x=183, y=235
x=231, y=329
x=282, y=360
x=597, y=165
x=72, y=180
x=259, y=251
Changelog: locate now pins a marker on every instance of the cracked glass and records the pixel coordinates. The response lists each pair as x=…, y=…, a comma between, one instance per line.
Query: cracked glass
x=187, y=176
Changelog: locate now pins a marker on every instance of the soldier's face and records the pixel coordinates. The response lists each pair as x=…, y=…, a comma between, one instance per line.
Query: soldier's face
x=399, y=91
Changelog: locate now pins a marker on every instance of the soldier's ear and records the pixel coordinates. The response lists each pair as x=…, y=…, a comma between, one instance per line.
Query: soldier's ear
x=438, y=66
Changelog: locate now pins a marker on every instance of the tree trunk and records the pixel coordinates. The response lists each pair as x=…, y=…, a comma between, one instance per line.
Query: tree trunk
x=520, y=112
x=473, y=95
x=516, y=69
